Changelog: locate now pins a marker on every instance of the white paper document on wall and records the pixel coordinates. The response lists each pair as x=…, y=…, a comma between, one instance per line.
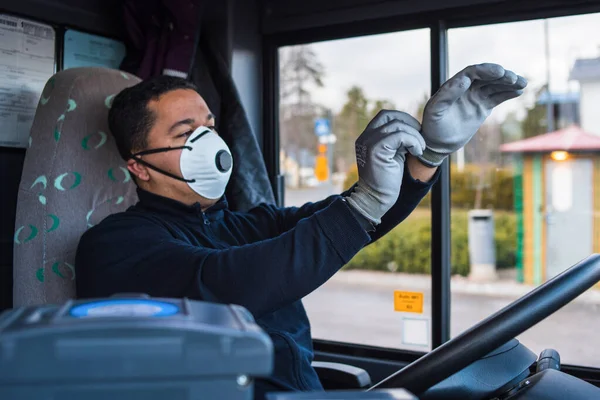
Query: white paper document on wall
x=27, y=61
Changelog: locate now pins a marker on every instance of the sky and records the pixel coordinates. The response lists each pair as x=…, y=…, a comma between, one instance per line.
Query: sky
x=395, y=66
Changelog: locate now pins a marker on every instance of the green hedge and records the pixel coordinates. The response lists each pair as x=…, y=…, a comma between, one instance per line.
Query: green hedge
x=497, y=193
x=407, y=247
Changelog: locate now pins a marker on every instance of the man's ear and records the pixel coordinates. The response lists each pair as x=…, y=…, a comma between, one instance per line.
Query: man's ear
x=139, y=170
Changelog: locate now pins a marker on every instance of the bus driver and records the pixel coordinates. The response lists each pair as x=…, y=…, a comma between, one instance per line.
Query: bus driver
x=181, y=240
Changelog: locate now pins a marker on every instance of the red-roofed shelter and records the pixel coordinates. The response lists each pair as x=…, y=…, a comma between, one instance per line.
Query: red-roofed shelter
x=557, y=200
x=571, y=138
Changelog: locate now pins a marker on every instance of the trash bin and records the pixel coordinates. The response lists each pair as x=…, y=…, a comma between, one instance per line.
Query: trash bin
x=482, y=247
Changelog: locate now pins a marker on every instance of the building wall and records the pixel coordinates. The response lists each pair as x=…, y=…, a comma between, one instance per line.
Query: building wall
x=528, y=228
x=590, y=99
x=534, y=234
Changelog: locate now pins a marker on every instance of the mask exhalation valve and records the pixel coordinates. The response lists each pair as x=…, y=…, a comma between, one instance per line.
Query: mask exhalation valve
x=223, y=161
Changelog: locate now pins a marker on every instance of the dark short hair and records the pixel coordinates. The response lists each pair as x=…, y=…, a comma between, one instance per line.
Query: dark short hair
x=130, y=119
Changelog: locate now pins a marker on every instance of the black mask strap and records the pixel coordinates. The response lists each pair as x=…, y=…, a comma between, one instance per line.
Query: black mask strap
x=161, y=150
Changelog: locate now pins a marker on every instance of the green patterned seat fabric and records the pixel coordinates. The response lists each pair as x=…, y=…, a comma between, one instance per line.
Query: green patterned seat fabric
x=72, y=178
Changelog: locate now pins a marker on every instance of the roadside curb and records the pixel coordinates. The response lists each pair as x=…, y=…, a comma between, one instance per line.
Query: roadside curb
x=459, y=285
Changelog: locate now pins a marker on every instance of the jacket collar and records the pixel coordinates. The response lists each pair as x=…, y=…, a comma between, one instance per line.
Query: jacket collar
x=163, y=204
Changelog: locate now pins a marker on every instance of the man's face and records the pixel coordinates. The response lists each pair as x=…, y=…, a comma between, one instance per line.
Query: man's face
x=177, y=114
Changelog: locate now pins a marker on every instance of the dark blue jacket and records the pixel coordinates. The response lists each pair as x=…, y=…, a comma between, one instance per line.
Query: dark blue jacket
x=266, y=259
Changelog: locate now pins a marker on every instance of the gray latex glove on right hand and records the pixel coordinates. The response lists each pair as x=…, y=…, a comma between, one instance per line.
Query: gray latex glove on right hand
x=456, y=112
x=380, y=155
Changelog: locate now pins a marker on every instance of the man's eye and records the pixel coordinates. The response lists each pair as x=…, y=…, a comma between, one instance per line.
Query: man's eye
x=185, y=134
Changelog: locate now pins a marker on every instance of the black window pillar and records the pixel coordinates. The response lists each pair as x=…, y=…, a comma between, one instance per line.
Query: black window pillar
x=440, y=208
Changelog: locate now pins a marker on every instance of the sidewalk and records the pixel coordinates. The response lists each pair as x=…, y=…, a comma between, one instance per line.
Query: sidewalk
x=502, y=288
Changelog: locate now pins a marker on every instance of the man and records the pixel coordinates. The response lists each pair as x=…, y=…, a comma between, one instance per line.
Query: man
x=181, y=240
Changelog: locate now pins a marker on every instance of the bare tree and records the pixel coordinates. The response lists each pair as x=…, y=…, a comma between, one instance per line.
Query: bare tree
x=350, y=122
x=299, y=70
x=379, y=105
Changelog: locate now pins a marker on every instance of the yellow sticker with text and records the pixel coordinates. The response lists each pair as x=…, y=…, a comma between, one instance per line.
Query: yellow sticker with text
x=408, y=302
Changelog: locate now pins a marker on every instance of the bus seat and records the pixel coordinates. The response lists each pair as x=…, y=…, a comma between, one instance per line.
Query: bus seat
x=72, y=178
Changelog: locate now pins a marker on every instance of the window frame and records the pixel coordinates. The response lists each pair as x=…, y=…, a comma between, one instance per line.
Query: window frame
x=439, y=25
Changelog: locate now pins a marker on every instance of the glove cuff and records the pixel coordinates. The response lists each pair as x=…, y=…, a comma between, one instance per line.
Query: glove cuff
x=432, y=158
x=366, y=205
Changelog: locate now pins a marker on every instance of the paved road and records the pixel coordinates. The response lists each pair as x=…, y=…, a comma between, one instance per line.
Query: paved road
x=297, y=197
x=363, y=313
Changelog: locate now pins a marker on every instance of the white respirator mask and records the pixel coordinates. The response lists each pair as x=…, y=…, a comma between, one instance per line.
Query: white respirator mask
x=206, y=163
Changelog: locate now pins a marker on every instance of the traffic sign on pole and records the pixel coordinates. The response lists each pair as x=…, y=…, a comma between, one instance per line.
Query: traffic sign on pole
x=322, y=127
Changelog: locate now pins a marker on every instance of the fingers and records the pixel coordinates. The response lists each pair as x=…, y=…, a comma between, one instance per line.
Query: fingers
x=509, y=78
x=413, y=141
x=395, y=126
x=521, y=82
x=385, y=116
x=414, y=144
x=504, y=84
x=489, y=90
x=484, y=72
x=500, y=97
x=401, y=135
x=458, y=85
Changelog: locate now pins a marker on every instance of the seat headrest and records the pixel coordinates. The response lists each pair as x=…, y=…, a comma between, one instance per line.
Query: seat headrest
x=72, y=178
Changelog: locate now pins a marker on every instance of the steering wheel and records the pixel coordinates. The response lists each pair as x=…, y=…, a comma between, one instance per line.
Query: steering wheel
x=495, y=330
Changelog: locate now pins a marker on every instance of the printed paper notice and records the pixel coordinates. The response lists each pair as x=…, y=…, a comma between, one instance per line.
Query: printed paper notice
x=26, y=63
x=87, y=50
x=415, y=331
x=408, y=302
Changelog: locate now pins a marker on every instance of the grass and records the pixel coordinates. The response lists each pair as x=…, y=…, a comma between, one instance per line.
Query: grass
x=407, y=248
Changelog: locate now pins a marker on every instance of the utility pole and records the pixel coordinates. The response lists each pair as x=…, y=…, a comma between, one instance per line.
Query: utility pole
x=549, y=103
x=460, y=159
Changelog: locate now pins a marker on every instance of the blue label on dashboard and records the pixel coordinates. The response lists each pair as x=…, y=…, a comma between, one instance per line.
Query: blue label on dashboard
x=124, y=308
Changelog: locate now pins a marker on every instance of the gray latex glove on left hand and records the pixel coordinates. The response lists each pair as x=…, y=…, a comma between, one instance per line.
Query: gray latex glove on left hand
x=454, y=114
x=381, y=152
